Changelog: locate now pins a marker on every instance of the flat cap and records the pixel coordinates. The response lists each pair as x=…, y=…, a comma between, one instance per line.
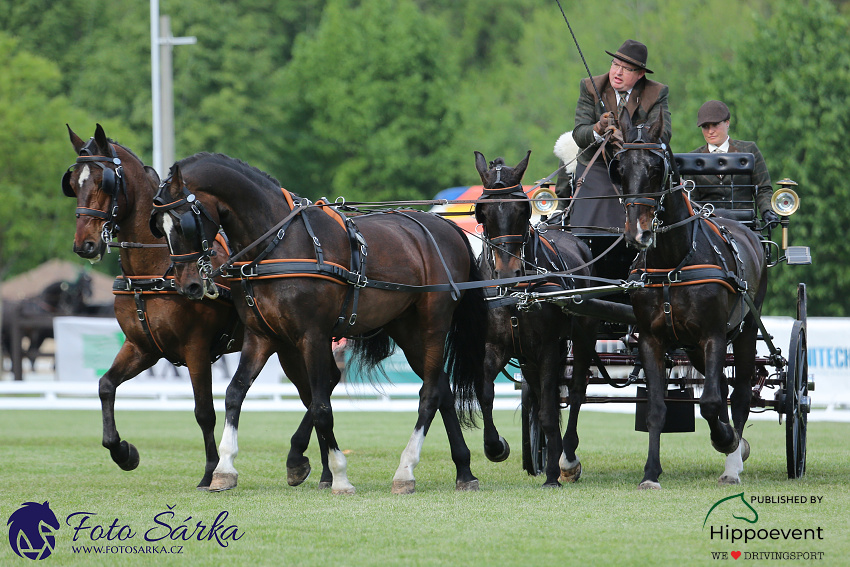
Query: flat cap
x=712, y=112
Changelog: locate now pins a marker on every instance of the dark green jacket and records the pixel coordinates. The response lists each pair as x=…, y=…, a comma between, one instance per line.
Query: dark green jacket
x=647, y=101
x=738, y=188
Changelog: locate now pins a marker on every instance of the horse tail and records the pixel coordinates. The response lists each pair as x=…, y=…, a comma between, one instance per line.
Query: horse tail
x=367, y=354
x=465, y=345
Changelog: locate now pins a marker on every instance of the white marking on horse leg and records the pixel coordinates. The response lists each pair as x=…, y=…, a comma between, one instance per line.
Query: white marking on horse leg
x=734, y=467
x=338, y=466
x=228, y=449
x=565, y=464
x=410, y=456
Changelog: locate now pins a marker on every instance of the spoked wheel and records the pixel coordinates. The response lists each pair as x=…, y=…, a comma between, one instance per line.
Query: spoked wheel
x=533, y=440
x=797, y=402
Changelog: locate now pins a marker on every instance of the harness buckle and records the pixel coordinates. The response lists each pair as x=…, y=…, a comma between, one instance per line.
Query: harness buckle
x=668, y=309
x=249, y=299
x=245, y=274
x=361, y=281
x=514, y=322
x=141, y=315
x=677, y=278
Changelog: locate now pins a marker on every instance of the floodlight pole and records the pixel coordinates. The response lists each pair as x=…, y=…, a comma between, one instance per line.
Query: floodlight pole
x=162, y=90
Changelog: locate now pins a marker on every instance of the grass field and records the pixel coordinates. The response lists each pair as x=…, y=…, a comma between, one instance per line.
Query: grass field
x=602, y=520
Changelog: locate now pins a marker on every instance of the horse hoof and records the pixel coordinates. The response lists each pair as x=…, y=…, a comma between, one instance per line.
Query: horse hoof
x=745, y=449
x=325, y=484
x=223, y=481
x=297, y=475
x=553, y=484
x=463, y=486
x=649, y=485
x=129, y=458
x=730, y=448
x=728, y=480
x=404, y=486
x=504, y=453
x=571, y=475
x=345, y=491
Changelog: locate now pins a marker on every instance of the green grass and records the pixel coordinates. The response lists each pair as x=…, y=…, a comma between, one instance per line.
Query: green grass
x=602, y=520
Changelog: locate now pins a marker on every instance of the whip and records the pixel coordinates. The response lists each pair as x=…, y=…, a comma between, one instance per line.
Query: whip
x=598, y=96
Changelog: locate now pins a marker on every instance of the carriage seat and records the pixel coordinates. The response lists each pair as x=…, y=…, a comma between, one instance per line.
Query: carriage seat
x=704, y=164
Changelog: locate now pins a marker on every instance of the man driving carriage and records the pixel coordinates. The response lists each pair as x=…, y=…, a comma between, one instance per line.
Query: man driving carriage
x=624, y=88
x=730, y=191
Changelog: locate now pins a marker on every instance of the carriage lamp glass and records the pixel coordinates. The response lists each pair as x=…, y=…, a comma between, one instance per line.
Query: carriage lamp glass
x=547, y=203
x=785, y=202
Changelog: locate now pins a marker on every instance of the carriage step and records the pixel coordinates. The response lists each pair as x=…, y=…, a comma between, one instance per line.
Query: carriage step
x=798, y=256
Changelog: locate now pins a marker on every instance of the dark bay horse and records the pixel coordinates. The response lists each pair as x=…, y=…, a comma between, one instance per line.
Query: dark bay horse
x=307, y=274
x=704, y=280
x=114, y=191
x=538, y=337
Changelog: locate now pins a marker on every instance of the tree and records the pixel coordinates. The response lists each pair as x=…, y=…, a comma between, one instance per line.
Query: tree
x=367, y=104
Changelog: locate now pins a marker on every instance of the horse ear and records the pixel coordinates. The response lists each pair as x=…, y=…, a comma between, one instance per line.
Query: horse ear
x=481, y=165
x=520, y=168
x=176, y=185
x=76, y=141
x=657, y=128
x=101, y=140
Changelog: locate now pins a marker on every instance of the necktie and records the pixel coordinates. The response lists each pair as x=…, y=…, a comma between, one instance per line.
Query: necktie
x=622, y=104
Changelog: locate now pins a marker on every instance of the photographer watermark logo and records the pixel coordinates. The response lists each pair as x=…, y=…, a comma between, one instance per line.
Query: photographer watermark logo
x=31, y=530
x=731, y=505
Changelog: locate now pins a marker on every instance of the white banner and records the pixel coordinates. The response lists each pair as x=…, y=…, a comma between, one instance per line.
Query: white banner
x=86, y=347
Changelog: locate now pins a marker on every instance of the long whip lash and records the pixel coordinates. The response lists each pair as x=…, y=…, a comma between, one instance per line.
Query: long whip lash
x=601, y=102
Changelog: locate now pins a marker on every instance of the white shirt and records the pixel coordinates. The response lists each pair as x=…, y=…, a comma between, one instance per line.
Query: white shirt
x=722, y=148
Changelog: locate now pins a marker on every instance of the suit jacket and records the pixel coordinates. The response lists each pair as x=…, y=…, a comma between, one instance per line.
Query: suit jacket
x=736, y=190
x=647, y=101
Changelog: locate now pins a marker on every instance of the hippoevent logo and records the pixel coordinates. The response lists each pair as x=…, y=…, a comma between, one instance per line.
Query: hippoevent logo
x=33, y=527
x=31, y=530
x=734, y=520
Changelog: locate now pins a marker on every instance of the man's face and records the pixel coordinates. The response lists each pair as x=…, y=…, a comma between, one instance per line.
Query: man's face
x=715, y=133
x=623, y=76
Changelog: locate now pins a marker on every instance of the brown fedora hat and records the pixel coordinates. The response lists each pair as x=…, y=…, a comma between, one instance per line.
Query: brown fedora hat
x=633, y=52
x=712, y=112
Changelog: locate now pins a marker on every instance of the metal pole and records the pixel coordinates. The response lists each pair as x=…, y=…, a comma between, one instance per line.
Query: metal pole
x=167, y=82
x=155, y=88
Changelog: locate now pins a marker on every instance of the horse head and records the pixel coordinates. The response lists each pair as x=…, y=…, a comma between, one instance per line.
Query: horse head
x=641, y=169
x=505, y=220
x=99, y=181
x=189, y=229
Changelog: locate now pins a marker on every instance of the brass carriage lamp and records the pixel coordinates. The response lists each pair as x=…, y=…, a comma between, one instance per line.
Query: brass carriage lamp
x=785, y=203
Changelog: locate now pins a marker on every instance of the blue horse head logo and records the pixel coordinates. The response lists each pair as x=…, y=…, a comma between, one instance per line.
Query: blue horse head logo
x=738, y=507
x=31, y=530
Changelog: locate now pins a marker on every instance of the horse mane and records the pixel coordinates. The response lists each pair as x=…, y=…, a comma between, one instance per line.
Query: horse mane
x=238, y=164
x=497, y=161
x=126, y=149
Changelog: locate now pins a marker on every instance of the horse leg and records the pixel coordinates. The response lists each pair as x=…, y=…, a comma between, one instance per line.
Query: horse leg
x=744, y=348
x=200, y=372
x=129, y=362
x=583, y=349
x=324, y=375
x=461, y=457
x=255, y=353
x=496, y=448
x=297, y=464
x=652, y=356
x=543, y=380
x=712, y=403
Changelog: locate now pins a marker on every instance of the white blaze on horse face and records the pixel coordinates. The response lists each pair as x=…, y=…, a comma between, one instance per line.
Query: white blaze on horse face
x=410, y=455
x=228, y=449
x=167, y=229
x=85, y=173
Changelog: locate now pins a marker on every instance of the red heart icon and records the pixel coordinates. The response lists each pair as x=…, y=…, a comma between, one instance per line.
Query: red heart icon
x=736, y=554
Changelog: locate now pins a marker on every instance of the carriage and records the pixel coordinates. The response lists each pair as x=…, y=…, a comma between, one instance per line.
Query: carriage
x=782, y=382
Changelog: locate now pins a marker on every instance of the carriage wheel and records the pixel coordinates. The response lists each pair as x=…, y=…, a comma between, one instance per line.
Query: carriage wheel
x=533, y=440
x=797, y=402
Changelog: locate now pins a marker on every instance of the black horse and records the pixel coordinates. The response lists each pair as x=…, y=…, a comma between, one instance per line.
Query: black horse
x=704, y=280
x=540, y=336
x=307, y=274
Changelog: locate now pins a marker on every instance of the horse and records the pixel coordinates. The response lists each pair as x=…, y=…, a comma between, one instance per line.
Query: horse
x=537, y=337
x=704, y=279
x=114, y=192
x=402, y=283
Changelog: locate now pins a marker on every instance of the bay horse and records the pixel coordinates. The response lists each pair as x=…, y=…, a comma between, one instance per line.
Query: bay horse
x=114, y=192
x=704, y=281
x=538, y=337
x=316, y=274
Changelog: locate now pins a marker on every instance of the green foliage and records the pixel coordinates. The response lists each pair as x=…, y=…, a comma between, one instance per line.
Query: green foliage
x=367, y=104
